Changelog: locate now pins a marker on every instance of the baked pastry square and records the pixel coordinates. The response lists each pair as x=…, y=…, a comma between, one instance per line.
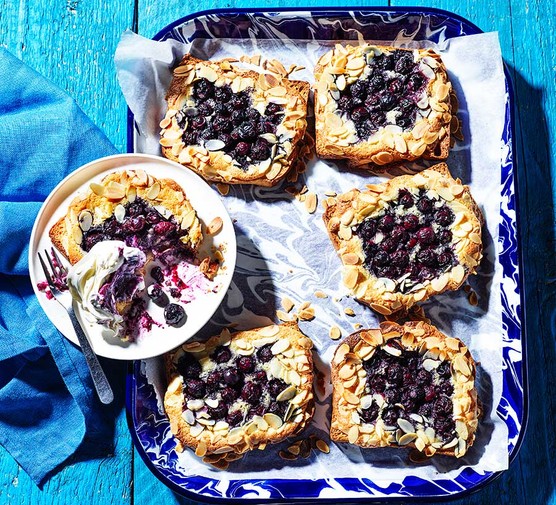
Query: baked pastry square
x=239, y=392
x=132, y=206
x=233, y=125
x=380, y=105
x=407, y=239
x=404, y=386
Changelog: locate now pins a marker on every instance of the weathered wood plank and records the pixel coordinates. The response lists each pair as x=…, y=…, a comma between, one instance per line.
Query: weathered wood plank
x=72, y=43
x=526, y=37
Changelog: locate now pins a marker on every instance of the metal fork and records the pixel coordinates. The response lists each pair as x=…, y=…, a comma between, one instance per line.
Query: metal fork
x=53, y=278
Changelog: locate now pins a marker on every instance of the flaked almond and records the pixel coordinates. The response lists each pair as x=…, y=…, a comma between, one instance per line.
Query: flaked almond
x=311, y=203
x=215, y=226
x=335, y=333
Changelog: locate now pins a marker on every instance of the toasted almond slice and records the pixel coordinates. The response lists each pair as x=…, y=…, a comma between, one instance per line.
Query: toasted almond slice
x=335, y=333
x=215, y=226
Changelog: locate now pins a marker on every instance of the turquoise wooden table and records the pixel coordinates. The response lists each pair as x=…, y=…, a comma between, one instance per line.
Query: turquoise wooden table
x=72, y=42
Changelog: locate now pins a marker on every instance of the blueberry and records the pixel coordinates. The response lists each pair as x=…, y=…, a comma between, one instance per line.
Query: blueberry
x=444, y=216
x=223, y=93
x=247, y=130
x=344, y=103
x=251, y=393
x=380, y=258
x=189, y=367
x=229, y=394
x=260, y=150
x=245, y=364
x=190, y=138
x=242, y=149
x=231, y=377
x=359, y=114
x=386, y=223
x=203, y=89
x=426, y=235
x=427, y=257
x=376, y=82
x=395, y=86
x=389, y=244
x=157, y=295
x=265, y=354
x=218, y=412
x=195, y=388
x=415, y=81
x=444, y=236
x=358, y=90
x=405, y=198
x=276, y=386
x=222, y=354
x=272, y=108
x=400, y=259
x=404, y=63
x=164, y=228
x=214, y=380
x=278, y=408
x=370, y=415
x=134, y=224
x=198, y=122
x=222, y=124
x=174, y=314
x=157, y=274
x=234, y=418
x=410, y=222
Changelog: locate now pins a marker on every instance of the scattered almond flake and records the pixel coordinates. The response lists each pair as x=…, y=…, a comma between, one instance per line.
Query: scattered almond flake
x=304, y=305
x=307, y=314
x=223, y=189
x=288, y=456
x=321, y=294
x=358, y=326
x=335, y=333
x=473, y=299
x=330, y=193
x=311, y=203
x=215, y=226
x=348, y=311
x=322, y=446
x=287, y=304
x=283, y=316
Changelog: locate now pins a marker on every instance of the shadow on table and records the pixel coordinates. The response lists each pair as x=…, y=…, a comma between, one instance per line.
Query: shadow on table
x=530, y=478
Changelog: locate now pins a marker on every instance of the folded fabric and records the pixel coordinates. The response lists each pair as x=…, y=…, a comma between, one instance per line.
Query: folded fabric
x=47, y=401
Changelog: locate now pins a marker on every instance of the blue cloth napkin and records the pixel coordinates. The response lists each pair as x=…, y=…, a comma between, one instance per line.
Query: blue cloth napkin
x=47, y=402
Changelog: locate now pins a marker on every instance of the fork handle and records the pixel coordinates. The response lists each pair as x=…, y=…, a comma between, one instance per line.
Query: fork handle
x=100, y=381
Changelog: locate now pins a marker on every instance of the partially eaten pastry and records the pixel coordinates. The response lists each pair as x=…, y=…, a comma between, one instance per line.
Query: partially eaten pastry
x=407, y=239
x=404, y=386
x=108, y=284
x=134, y=207
x=239, y=392
x=233, y=125
x=380, y=105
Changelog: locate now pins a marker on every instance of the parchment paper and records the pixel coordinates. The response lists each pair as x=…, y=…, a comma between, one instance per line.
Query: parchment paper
x=284, y=251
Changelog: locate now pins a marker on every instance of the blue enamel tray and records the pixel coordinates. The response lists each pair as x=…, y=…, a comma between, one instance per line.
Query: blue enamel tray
x=150, y=429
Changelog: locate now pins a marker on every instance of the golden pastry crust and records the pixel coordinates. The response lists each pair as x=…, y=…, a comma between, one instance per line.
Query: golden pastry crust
x=337, y=138
x=215, y=165
x=116, y=190
x=387, y=296
x=292, y=363
x=349, y=395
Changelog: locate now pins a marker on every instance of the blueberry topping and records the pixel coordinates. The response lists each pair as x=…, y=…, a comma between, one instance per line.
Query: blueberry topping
x=174, y=314
x=157, y=295
x=408, y=388
x=411, y=239
x=145, y=228
x=219, y=113
x=395, y=83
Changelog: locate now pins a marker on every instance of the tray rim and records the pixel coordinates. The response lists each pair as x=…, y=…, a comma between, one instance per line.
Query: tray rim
x=130, y=379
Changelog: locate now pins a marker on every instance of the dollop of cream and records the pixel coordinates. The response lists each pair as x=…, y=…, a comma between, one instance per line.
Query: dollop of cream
x=87, y=276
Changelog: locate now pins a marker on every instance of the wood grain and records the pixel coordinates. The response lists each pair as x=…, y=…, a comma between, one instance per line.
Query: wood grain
x=72, y=42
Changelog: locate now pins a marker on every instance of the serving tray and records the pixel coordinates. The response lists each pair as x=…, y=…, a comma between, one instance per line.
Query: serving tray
x=150, y=428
